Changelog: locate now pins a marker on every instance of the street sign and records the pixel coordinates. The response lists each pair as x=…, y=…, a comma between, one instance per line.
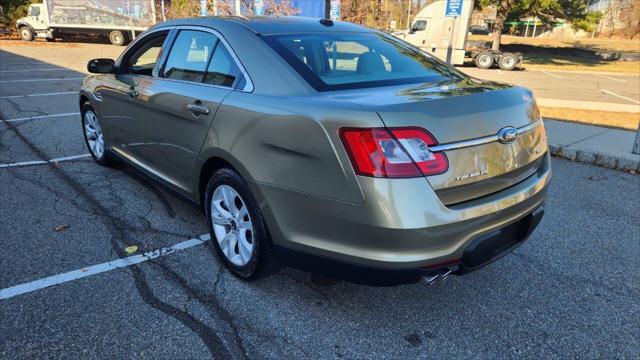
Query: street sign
x=258, y=7
x=454, y=8
x=334, y=10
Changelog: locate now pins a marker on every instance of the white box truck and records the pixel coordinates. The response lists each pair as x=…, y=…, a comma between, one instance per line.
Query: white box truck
x=117, y=19
x=446, y=37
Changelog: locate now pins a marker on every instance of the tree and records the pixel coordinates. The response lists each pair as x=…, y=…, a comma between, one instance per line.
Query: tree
x=548, y=11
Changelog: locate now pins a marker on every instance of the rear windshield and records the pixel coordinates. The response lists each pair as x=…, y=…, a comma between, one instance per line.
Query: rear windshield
x=337, y=61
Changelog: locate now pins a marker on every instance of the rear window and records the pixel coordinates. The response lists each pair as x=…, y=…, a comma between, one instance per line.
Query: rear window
x=337, y=61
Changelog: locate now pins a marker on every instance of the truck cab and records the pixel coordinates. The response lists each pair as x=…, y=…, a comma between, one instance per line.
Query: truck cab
x=35, y=24
x=446, y=38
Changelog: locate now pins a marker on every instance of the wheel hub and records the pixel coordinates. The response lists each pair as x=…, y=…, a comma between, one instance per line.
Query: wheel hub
x=232, y=225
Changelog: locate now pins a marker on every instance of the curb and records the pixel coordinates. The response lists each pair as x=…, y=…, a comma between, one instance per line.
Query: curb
x=609, y=73
x=595, y=158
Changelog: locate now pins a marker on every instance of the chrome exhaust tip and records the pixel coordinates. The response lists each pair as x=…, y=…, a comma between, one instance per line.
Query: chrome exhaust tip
x=431, y=279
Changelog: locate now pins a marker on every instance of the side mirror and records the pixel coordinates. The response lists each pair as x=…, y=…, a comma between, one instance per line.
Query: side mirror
x=100, y=66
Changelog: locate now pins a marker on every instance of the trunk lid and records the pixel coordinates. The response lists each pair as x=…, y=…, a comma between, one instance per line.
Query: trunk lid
x=465, y=118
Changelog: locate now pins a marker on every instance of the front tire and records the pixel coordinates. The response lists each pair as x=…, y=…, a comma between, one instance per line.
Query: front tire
x=94, y=135
x=26, y=33
x=238, y=230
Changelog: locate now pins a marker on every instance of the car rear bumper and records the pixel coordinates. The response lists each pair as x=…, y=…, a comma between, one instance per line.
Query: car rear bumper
x=407, y=228
x=481, y=252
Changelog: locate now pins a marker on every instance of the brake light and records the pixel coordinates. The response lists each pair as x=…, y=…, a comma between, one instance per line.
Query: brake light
x=393, y=153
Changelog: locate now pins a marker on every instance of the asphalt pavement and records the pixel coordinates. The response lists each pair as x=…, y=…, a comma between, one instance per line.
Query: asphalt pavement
x=575, y=90
x=572, y=290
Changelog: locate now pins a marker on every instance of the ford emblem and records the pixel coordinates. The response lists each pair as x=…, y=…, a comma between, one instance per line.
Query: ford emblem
x=507, y=135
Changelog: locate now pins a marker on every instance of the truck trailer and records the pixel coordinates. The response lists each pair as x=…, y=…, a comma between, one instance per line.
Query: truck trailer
x=120, y=20
x=446, y=38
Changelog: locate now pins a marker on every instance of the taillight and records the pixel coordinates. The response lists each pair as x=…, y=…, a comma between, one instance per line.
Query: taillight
x=393, y=153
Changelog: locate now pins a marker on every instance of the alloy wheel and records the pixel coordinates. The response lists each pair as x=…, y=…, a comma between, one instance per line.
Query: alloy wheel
x=232, y=225
x=93, y=132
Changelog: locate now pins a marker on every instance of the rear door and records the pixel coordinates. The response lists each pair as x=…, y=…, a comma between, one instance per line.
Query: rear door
x=182, y=100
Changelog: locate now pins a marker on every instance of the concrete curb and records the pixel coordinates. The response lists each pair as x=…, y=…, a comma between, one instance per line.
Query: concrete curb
x=609, y=73
x=595, y=158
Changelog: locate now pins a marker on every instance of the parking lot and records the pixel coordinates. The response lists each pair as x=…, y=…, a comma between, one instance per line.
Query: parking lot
x=572, y=290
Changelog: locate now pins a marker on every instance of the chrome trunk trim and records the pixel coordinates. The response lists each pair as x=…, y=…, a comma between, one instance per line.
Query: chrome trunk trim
x=482, y=140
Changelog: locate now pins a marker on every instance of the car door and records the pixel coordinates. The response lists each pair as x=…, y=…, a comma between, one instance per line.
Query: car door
x=418, y=33
x=197, y=75
x=123, y=110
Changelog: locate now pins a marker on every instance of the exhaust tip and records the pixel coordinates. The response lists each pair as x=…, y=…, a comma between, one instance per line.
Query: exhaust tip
x=433, y=278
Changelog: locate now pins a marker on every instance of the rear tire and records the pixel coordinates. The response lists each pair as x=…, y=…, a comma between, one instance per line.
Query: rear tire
x=484, y=60
x=26, y=33
x=507, y=62
x=117, y=38
x=238, y=227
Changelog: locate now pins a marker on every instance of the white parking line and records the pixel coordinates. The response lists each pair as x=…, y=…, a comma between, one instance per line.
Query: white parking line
x=27, y=80
x=99, y=268
x=39, y=117
x=30, y=70
x=620, y=96
x=611, y=78
x=33, y=95
x=553, y=75
x=44, y=162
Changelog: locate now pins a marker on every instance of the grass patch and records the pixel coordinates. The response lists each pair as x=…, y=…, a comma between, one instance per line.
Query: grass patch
x=616, y=120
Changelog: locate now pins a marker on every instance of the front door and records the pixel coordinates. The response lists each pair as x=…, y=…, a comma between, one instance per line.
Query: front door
x=123, y=108
x=417, y=35
x=182, y=101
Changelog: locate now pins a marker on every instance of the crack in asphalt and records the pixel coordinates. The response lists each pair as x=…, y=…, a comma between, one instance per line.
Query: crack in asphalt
x=119, y=229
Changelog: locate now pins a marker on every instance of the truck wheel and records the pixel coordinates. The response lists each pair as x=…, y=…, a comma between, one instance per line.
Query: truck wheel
x=507, y=62
x=117, y=38
x=26, y=34
x=484, y=60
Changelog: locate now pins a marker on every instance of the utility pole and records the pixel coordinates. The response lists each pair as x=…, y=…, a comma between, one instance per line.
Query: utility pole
x=636, y=144
x=409, y=16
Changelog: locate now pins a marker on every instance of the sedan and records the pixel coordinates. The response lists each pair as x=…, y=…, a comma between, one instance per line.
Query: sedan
x=323, y=145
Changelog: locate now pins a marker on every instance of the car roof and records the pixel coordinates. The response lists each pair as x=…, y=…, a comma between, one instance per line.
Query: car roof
x=266, y=25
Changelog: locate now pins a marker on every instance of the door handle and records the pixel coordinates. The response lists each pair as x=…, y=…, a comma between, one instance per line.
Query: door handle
x=198, y=109
x=133, y=93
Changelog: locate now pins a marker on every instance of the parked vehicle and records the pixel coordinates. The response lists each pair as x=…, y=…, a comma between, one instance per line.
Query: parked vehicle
x=478, y=30
x=433, y=32
x=326, y=145
x=117, y=19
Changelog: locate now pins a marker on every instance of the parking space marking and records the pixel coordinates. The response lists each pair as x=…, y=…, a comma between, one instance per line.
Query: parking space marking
x=553, y=75
x=44, y=162
x=39, y=117
x=611, y=78
x=27, y=80
x=30, y=70
x=620, y=96
x=99, y=268
x=33, y=95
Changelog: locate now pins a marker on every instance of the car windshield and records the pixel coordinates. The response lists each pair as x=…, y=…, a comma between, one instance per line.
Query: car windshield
x=337, y=61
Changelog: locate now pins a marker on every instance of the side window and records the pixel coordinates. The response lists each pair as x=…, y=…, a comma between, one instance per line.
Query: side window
x=189, y=56
x=222, y=70
x=143, y=59
x=419, y=25
x=34, y=11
